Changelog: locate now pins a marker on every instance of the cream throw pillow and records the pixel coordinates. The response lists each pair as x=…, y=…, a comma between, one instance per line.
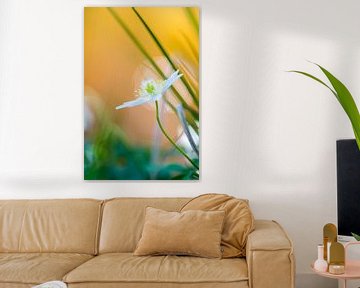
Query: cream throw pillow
x=193, y=232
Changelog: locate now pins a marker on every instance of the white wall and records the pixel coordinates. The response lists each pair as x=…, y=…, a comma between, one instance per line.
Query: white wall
x=267, y=135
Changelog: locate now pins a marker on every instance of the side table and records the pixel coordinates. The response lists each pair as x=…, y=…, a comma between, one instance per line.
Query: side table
x=352, y=268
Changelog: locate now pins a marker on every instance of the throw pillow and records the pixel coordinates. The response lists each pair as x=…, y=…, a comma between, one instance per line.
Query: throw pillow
x=239, y=220
x=196, y=233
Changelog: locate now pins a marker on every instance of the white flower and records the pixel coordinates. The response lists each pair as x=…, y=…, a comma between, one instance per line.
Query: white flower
x=151, y=91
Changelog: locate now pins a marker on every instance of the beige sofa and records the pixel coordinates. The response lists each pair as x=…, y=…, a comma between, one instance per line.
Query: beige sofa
x=89, y=243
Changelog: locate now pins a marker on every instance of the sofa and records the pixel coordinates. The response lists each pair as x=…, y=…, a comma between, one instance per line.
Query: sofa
x=89, y=243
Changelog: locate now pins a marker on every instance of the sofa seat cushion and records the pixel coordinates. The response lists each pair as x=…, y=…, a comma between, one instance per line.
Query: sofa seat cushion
x=36, y=268
x=125, y=267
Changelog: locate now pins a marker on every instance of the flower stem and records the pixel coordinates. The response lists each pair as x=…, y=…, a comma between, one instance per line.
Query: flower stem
x=170, y=140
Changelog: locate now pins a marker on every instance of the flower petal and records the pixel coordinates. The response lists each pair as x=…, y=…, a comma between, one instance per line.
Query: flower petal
x=146, y=96
x=171, y=80
x=136, y=102
x=157, y=97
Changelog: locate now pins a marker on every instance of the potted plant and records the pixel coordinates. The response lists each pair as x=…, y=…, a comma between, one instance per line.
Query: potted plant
x=346, y=100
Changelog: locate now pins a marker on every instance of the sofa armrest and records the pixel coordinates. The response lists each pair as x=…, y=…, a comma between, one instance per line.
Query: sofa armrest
x=269, y=256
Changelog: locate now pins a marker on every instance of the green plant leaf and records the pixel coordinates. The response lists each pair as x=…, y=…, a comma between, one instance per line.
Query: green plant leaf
x=347, y=102
x=344, y=97
x=356, y=236
x=316, y=79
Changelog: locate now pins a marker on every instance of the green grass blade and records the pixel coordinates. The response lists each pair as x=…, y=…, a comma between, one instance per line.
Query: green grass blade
x=192, y=18
x=192, y=122
x=149, y=58
x=190, y=117
x=170, y=140
x=193, y=49
x=167, y=56
x=185, y=126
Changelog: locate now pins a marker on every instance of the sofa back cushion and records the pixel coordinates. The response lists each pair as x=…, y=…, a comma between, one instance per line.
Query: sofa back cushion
x=66, y=226
x=238, y=224
x=123, y=220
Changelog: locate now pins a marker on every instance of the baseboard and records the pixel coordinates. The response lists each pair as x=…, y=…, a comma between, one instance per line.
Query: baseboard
x=309, y=280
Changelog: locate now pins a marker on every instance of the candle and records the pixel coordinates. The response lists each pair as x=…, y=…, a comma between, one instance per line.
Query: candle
x=336, y=269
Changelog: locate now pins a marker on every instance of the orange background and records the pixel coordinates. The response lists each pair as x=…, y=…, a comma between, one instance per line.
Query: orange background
x=114, y=67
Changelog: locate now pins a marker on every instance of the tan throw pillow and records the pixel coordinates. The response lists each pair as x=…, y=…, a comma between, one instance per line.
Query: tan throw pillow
x=196, y=233
x=239, y=220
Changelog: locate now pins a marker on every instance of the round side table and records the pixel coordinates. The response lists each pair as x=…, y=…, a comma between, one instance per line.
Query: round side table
x=352, y=269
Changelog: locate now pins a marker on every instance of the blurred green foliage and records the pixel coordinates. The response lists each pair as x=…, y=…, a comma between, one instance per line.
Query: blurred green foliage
x=108, y=156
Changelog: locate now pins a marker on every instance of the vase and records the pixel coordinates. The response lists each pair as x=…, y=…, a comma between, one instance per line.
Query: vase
x=320, y=264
